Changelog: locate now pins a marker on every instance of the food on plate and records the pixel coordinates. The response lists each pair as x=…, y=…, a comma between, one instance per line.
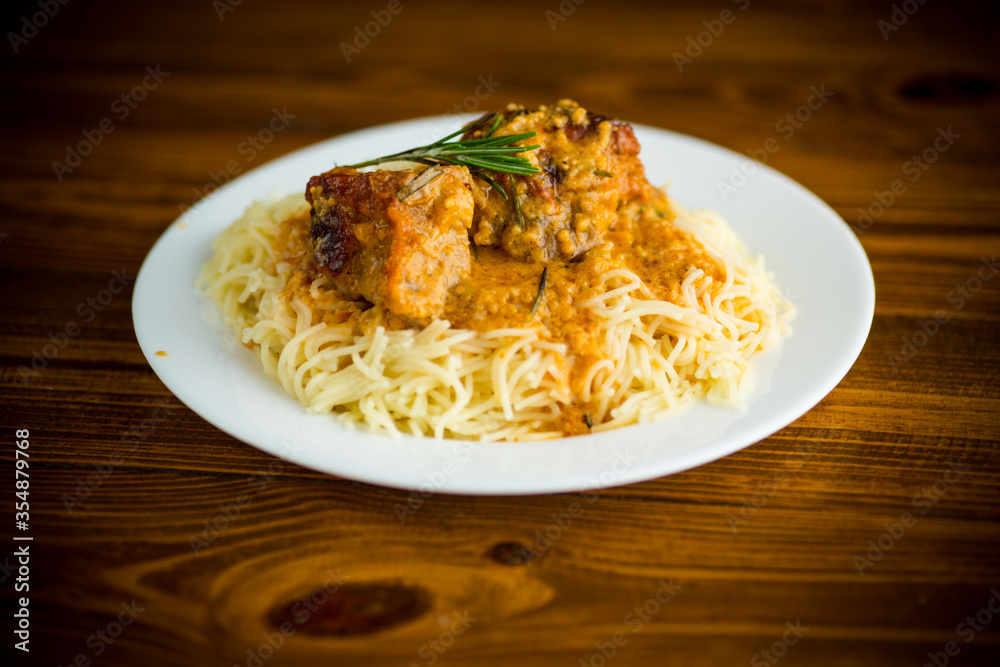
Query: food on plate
x=523, y=282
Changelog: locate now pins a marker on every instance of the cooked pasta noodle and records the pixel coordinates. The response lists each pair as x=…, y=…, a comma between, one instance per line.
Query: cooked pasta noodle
x=653, y=357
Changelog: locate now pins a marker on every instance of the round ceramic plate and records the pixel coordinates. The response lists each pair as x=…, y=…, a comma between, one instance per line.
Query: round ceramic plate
x=815, y=258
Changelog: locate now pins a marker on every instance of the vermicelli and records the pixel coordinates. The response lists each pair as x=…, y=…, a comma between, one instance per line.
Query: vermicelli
x=654, y=357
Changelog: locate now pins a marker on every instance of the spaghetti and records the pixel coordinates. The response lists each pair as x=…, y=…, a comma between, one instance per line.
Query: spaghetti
x=616, y=340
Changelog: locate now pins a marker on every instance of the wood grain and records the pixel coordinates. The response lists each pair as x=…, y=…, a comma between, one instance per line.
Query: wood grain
x=747, y=544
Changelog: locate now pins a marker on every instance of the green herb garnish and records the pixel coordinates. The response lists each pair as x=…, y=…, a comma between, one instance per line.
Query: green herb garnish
x=487, y=154
x=541, y=293
x=517, y=209
x=605, y=174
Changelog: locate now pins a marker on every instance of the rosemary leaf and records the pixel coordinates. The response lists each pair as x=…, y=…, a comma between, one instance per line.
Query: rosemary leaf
x=480, y=174
x=541, y=293
x=422, y=179
x=520, y=213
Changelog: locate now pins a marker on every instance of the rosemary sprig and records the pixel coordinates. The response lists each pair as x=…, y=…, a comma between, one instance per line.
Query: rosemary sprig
x=486, y=154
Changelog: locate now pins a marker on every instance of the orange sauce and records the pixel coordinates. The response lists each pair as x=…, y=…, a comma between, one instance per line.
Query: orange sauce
x=501, y=291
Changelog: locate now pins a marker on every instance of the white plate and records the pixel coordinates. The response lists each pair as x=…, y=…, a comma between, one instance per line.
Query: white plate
x=817, y=261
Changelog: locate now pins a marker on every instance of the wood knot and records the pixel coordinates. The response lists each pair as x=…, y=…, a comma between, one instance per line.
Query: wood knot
x=511, y=553
x=352, y=609
x=948, y=87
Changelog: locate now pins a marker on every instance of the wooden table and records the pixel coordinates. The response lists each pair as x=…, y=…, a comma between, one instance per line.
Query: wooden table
x=819, y=568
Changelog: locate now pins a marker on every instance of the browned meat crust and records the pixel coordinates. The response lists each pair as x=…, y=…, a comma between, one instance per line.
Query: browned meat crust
x=590, y=168
x=401, y=251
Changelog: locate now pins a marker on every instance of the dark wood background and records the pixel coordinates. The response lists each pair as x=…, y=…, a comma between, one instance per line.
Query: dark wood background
x=853, y=465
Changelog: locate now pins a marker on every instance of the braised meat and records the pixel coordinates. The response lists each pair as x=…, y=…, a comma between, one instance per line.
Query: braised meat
x=398, y=239
x=590, y=167
x=403, y=239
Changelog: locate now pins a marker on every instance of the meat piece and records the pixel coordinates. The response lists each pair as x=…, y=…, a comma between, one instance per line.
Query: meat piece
x=590, y=166
x=391, y=239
